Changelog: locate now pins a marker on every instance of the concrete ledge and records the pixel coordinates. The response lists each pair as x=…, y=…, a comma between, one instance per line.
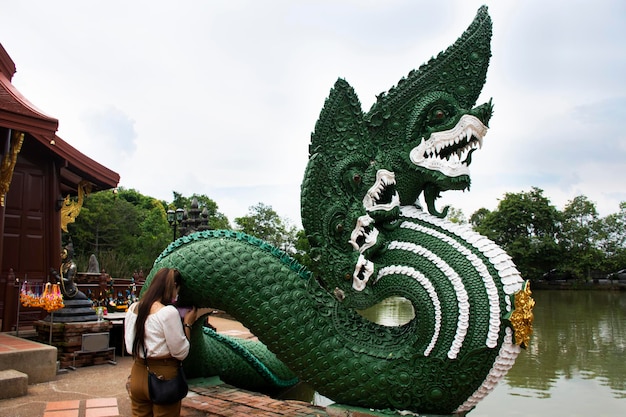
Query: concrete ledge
x=13, y=384
x=36, y=360
x=339, y=410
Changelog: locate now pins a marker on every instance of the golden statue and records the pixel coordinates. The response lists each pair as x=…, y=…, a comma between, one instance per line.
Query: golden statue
x=7, y=165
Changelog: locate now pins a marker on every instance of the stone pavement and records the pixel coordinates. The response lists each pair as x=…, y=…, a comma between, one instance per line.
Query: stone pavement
x=100, y=391
x=92, y=391
x=225, y=401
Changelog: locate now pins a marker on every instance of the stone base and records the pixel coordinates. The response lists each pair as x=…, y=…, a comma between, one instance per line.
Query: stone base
x=37, y=360
x=338, y=410
x=68, y=339
x=13, y=384
x=76, y=310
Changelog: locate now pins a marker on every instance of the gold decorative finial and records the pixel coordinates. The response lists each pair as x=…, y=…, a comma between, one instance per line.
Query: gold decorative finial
x=8, y=164
x=522, y=317
x=70, y=208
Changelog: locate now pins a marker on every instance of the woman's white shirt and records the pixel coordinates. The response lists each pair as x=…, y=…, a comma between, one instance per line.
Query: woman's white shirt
x=164, y=333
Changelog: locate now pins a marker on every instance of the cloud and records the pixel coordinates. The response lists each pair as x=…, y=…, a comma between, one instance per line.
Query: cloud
x=220, y=98
x=112, y=127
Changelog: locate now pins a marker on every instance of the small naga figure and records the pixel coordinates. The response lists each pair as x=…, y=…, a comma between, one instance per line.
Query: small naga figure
x=370, y=241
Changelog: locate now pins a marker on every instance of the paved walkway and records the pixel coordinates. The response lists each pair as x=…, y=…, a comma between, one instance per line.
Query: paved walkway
x=100, y=391
x=226, y=401
x=97, y=407
x=206, y=401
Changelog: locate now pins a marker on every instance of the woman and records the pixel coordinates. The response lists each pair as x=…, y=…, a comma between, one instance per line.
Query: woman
x=154, y=323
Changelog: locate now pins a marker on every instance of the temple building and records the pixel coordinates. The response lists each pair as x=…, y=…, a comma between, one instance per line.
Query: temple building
x=43, y=180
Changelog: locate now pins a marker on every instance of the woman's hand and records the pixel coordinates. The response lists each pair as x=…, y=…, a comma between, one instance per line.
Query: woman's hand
x=191, y=316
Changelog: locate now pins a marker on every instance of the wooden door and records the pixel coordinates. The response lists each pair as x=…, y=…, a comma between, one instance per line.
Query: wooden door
x=25, y=237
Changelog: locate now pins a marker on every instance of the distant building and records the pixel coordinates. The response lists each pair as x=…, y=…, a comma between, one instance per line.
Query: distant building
x=38, y=170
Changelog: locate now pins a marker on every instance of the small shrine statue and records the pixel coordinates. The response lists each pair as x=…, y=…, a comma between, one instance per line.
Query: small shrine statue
x=68, y=274
x=94, y=266
x=78, y=307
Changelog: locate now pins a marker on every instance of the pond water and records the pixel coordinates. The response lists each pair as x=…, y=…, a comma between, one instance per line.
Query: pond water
x=575, y=364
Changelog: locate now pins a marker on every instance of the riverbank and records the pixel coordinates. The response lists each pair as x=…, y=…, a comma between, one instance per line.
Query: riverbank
x=561, y=284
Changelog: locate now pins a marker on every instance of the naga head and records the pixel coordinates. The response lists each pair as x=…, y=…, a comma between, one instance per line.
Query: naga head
x=428, y=122
x=418, y=139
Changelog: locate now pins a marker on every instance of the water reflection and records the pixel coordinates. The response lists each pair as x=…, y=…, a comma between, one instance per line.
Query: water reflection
x=392, y=311
x=577, y=335
x=575, y=364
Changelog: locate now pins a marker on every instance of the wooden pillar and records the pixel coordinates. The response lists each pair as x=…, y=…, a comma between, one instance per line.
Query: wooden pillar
x=4, y=281
x=11, y=294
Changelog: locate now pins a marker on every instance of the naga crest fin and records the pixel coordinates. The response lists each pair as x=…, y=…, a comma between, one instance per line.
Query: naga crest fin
x=459, y=71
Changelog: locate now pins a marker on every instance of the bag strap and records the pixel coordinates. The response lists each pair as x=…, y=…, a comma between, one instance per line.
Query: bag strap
x=145, y=358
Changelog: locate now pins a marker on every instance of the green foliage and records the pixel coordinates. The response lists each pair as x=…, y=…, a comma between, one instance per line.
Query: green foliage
x=263, y=222
x=526, y=226
x=578, y=237
x=302, y=247
x=611, y=239
x=540, y=238
x=456, y=216
x=125, y=230
x=478, y=217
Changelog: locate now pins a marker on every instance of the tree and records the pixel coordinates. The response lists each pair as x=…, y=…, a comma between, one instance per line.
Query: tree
x=478, y=217
x=302, y=249
x=125, y=230
x=579, y=237
x=263, y=222
x=612, y=239
x=526, y=226
x=456, y=216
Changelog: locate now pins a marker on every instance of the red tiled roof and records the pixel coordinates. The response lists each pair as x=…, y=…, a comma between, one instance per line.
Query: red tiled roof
x=17, y=113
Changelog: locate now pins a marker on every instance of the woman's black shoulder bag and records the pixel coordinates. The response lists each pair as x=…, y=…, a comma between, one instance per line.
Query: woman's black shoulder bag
x=166, y=391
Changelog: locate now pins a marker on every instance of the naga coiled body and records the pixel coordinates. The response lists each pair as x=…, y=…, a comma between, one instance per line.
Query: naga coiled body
x=370, y=241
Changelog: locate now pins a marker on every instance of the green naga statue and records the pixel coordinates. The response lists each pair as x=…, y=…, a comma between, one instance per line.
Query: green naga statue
x=370, y=241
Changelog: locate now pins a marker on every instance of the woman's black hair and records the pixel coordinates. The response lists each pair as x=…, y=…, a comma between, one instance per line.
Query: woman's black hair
x=162, y=289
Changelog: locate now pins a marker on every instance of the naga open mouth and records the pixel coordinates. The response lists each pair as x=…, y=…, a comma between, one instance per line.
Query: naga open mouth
x=364, y=235
x=363, y=271
x=381, y=202
x=382, y=196
x=450, y=151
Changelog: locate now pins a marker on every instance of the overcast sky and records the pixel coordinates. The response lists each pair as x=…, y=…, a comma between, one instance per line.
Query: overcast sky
x=220, y=97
